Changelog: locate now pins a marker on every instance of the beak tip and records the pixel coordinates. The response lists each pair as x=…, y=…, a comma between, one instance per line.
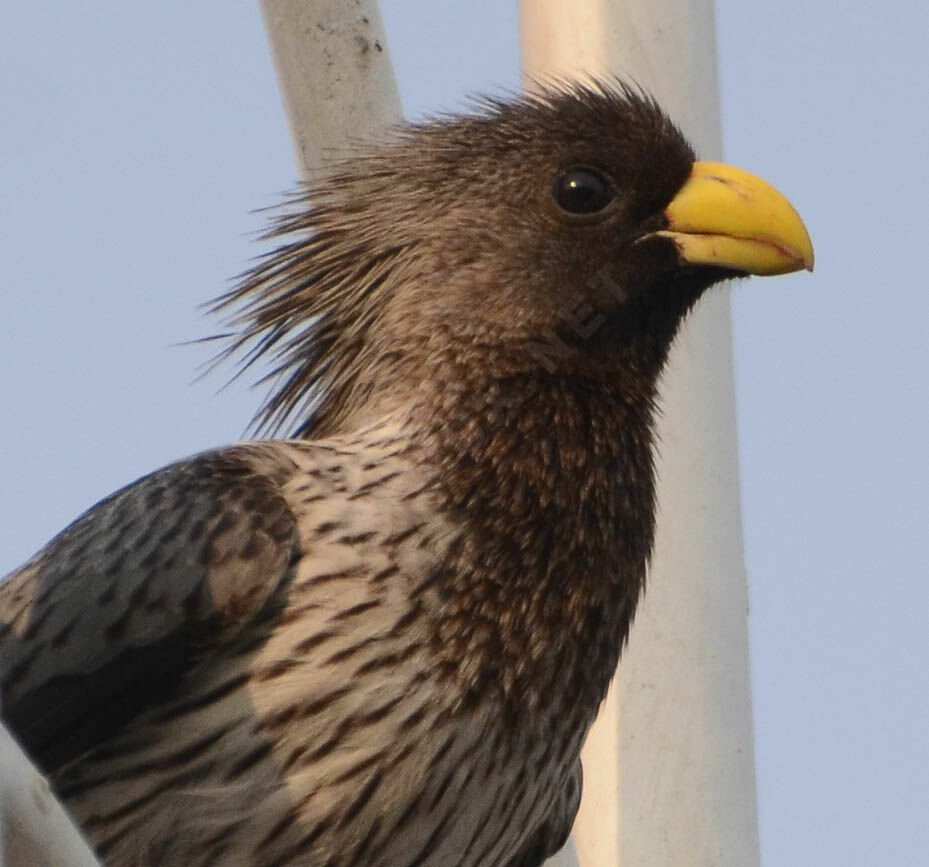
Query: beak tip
x=809, y=258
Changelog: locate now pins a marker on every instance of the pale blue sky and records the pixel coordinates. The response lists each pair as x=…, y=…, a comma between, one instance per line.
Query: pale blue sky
x=136, y=139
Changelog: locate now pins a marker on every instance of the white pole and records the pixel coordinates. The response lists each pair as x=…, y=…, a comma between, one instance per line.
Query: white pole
x=334, y=71
x=35, y=831
x=669, y=767
x=337, y=84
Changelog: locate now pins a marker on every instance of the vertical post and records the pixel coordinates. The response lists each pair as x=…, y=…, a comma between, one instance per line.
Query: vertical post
x=669, y=766
x=334, y=72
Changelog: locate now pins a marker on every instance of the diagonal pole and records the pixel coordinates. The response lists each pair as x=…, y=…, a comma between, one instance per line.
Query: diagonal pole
x=334, y=71
x=35, y=831
x=337, y=85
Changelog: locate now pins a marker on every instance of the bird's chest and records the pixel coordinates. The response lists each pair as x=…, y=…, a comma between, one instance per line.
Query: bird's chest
x=393, y=750
x=482, y=801
x=386, y=760
x=461, y=792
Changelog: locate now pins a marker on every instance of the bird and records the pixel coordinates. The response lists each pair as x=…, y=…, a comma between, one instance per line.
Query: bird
x=378, y=632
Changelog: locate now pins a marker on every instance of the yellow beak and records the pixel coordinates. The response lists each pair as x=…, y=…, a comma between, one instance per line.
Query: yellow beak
x=727, y=217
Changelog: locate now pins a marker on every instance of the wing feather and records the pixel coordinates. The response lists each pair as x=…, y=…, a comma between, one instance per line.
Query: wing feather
x=116, y=607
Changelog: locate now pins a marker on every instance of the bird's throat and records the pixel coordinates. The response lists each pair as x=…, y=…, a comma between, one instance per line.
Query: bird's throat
x=553, y=479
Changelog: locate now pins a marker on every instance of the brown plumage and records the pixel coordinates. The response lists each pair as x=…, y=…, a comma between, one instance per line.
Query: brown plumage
x=383, y=641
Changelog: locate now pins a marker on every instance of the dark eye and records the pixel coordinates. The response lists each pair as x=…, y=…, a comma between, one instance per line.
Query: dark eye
x=582, y=190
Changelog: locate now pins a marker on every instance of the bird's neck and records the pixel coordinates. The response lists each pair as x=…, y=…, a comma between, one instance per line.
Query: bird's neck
x=552, y=479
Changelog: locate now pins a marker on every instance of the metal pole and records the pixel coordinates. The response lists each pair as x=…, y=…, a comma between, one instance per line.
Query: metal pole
x=334, y=71
x=35, y=831
x=669, y=766
x=337, y=85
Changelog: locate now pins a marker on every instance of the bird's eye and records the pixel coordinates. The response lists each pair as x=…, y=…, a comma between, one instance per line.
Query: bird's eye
x=582, y=190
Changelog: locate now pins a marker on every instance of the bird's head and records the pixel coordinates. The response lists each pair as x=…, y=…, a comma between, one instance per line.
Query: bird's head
x=565, y=234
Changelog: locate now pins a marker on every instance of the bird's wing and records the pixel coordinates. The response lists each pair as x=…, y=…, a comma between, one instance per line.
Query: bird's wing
x=112, y=611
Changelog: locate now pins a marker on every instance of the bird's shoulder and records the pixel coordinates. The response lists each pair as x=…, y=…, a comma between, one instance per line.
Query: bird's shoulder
x=154, y=577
